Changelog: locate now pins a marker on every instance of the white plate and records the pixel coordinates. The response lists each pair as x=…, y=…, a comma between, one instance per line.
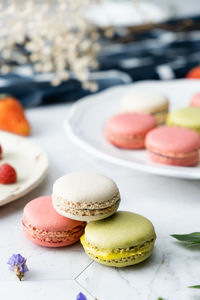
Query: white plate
x=88, y=116
x=29, y=161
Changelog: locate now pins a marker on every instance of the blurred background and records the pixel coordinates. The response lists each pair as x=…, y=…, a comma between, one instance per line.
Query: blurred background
x=55, y=51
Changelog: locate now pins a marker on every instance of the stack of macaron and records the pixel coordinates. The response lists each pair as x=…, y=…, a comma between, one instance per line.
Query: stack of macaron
x=141, y=124
x=111, y=238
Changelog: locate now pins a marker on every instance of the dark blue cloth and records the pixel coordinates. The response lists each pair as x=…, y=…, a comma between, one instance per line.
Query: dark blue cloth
x=165, y=51
x=33, y=93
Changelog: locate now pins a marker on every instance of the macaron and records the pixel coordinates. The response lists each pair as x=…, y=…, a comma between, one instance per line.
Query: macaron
x=150, y=102
x=128, y=130
x=85, y=196
x=173, y=146
x=121, y=240
x=186, y=117
x=43, y=226
x=195, y=100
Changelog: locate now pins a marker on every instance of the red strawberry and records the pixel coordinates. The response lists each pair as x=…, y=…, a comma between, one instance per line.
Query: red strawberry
x=1, y=152
x=7, y=174
x=194, y=73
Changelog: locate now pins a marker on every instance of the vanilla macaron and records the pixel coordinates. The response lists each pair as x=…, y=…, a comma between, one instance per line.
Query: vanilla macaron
x=85, y=196
x=150, y=102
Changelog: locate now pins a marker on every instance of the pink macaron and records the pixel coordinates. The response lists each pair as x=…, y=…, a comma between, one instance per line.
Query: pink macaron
x=43, y=226
x=195, y=100
x=128, y=130
x=173, y=146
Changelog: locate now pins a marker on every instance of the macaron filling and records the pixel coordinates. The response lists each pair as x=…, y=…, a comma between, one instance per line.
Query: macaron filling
x=119, y=254
x=52, y=236
x=160, y=116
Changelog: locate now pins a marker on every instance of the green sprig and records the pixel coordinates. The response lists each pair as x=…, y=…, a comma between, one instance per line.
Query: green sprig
x=191, y=238
x=194, y=287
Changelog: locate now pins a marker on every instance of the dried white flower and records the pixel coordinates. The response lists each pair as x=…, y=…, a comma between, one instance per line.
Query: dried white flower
x=52, y=35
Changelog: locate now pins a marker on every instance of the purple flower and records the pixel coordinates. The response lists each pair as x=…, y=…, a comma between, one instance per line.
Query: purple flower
x=18, y=265
x=80, y=296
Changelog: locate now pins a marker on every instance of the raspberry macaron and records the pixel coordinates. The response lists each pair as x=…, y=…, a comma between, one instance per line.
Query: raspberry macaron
x=173, y=146
x=128, y=130
x=43, y=226
x=195, y=100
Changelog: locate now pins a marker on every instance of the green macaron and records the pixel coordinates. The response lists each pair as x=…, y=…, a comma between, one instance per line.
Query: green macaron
x=121, y=240
x=186, y=117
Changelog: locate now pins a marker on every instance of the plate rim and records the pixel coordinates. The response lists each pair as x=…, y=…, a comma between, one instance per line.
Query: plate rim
x=36, y=182
x=157, y=169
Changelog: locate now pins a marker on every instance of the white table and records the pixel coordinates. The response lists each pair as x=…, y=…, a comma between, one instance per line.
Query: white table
x=172, y=205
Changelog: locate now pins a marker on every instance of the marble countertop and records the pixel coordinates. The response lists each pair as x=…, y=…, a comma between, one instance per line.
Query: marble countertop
x=172, y=205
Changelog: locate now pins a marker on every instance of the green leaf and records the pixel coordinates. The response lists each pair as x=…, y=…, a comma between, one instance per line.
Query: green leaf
x=160, y=298
x=194, y=287
x=191, y=238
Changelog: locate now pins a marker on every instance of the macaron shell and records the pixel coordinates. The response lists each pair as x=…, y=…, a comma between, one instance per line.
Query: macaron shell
x=144, y=102
x=122, y=230
x=41, y=215
x=71, y=240
x=133, y=143
x=85, y=187
x=173, y=140
x=187, y=117
x=130, y=124
x=175, y=161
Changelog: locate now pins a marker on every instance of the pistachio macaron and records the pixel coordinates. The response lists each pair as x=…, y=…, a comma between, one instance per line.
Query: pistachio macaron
x=85, y=196
x=188, y=117
x=121, y=240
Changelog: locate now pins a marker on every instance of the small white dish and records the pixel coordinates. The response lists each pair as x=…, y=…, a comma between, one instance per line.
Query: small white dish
x=85, y=125
x=29, y=161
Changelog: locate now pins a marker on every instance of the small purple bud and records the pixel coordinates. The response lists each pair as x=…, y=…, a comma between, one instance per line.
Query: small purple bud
x=80, y=296
x=18, y=265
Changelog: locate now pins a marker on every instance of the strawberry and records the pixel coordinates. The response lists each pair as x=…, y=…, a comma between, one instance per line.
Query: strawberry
x=12, y=116
x=7, y=174
x=194, y=73
x=1, y=152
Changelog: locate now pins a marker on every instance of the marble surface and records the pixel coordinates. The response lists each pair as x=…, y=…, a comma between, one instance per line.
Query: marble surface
x=172, y=205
